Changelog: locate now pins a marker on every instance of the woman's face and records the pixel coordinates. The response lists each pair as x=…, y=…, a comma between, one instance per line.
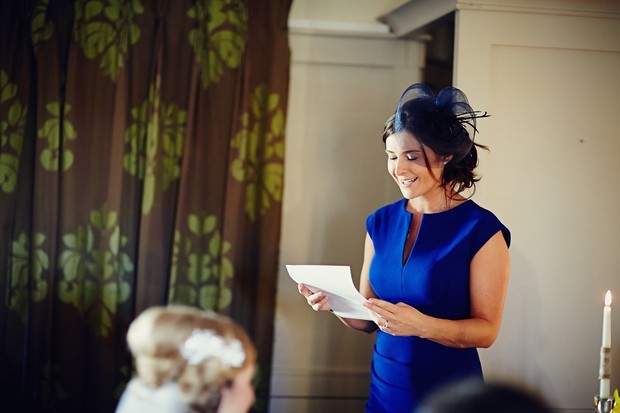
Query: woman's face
x=239, y=396
x=406, y=164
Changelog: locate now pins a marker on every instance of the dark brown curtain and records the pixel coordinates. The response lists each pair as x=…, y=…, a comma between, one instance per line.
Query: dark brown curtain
x=141, y=163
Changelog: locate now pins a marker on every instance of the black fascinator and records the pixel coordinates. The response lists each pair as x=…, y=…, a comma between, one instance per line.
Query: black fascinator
x=446, y=123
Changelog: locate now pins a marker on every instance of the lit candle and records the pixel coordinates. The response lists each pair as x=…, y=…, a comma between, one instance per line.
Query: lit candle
x=605, y=366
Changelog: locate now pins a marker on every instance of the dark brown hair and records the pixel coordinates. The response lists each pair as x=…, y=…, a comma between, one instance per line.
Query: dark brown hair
x=430, y=128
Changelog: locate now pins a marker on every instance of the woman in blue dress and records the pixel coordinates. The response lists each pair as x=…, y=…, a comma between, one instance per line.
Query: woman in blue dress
x=436, y=264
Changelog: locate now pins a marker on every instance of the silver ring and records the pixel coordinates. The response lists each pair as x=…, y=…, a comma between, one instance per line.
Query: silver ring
x=385, y=326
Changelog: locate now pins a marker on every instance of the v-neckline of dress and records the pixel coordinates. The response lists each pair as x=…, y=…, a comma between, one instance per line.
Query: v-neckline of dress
x=408, y=252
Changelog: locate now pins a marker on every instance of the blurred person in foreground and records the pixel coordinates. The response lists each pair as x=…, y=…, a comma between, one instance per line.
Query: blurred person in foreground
x=475, y=396
x=188, y=361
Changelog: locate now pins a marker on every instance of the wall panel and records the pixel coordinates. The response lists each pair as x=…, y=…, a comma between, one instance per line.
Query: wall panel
x=342, y=90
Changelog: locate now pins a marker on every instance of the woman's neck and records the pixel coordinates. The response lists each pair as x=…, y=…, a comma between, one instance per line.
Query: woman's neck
x=439, y=201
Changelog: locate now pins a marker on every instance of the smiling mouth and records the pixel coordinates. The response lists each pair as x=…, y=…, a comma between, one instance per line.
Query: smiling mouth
x=408, y=181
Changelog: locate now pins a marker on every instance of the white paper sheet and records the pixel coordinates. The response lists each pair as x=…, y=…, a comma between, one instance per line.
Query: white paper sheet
x=336, y=282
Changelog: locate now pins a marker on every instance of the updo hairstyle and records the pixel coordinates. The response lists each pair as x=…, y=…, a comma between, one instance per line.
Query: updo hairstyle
x=444, y=123
x=158, y=340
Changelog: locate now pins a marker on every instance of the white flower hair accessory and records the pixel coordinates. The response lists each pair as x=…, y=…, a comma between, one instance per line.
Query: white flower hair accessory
x=204, y=344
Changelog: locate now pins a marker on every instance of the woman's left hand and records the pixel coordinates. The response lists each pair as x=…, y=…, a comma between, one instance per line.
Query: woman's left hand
x=395, y=319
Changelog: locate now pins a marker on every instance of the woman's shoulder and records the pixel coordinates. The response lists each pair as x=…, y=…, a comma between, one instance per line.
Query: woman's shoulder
x=384, y=218
x=484, y=220
x=469, y=209
x=390, y=209
x=139, y=397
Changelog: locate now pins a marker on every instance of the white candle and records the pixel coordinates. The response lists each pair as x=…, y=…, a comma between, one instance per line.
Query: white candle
x=605, y=366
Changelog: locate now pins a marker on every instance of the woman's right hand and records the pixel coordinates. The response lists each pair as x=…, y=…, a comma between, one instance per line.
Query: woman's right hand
x=318, y=300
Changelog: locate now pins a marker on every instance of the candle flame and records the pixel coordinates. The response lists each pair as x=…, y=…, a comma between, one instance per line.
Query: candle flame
x=608, y=298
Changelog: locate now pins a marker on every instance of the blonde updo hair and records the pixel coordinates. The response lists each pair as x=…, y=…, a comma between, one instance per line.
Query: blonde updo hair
x=156, y=338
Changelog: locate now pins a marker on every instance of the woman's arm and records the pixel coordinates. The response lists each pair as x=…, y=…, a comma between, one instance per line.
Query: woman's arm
x=319, y=301
x=489, y=271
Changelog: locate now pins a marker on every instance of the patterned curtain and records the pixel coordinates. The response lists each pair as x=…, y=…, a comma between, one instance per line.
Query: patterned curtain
x=141, y=163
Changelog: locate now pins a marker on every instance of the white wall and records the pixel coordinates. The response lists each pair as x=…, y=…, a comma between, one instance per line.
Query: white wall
x=552, y=84
x=343, y=88
x=550, y=79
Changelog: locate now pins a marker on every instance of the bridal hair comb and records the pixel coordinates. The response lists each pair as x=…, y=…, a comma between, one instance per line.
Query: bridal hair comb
x=204, y=344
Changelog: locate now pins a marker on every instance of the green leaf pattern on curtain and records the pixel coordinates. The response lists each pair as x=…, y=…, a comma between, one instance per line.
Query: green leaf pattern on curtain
x=156, y=126
x=22, y=264
x=111, y=203
x=106, y=29
x=11, y=133
x=50, y=385
x=256, y=146
x=207, y=271
x=41, y=27
x=95, y=270
x=215, y=45
x=52, y=157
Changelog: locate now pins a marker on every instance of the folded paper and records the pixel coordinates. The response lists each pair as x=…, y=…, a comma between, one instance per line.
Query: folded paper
x=336, y=282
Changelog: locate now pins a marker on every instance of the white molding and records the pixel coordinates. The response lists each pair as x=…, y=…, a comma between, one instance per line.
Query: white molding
x=341, y=382
x=412, y=17
x=581, y=8
x=383, y=52
x=338, y=28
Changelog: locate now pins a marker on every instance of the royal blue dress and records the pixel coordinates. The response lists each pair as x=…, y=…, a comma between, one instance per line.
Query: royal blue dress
x=435, y=280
